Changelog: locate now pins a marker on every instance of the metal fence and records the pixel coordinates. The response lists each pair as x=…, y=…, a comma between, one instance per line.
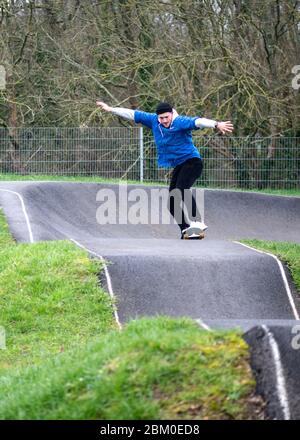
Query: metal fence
x=129, y=153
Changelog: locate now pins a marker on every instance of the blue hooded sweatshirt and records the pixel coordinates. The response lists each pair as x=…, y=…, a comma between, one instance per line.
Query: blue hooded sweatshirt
x=174, y=144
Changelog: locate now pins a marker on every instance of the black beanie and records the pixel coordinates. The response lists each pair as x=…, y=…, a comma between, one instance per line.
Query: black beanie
x=163, y=107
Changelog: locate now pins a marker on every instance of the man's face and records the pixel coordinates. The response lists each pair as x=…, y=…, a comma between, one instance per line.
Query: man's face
x=165, y=119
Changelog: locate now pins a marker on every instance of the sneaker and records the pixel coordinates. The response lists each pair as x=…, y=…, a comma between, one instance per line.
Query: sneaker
x=199, y=225
x=184, y=235
x=194, y=231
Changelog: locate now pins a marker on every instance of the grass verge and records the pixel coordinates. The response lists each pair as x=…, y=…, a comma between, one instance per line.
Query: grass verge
x=288, y=252
x=50, y=299
x=159, y=368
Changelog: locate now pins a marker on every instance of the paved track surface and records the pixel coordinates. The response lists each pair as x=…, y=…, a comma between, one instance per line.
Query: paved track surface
x=217, y=281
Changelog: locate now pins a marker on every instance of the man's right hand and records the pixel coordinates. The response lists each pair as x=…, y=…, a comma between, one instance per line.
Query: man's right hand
x=104, y=106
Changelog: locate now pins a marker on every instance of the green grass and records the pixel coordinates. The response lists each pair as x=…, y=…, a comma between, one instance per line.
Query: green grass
x=57, y=178
x=6, y=239
x=159, y=368
x=96, y=179
x=276, y=192
x=50, y=299
x=288, y=252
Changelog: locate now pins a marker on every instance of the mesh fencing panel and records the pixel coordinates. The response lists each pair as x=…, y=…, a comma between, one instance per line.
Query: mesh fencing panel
x=229, y=162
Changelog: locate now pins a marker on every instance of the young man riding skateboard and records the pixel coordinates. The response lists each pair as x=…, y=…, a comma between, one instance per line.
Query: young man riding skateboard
x=173, y=138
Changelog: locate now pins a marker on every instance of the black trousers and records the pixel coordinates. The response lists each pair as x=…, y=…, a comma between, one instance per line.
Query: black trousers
x=183, y=177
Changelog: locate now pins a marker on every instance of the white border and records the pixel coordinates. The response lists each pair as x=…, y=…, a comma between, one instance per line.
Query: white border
x=24, y=211
x=203, y=325
x=108, y=279
x=280, y=380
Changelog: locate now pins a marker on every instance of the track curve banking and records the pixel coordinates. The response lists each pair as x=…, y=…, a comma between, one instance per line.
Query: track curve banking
x=152, y=271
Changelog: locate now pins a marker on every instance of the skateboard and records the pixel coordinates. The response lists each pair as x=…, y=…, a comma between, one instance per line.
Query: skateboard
x=193, y=233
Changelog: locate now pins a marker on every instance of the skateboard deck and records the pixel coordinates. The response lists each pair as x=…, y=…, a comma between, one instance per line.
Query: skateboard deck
x=193, y=233
x=194, y=237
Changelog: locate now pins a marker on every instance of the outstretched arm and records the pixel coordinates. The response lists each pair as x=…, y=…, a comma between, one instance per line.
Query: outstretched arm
x=223, y=127
x=137, y=116
x=119, y=111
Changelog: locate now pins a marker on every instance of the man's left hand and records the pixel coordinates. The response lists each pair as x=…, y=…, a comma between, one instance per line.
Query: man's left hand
x=225, y=127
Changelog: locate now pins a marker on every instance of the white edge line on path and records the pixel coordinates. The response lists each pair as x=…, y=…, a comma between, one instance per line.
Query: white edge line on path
x=203, y=325
x=108, y=279
x=285, y=281
x=24, y=212
x=280, y=380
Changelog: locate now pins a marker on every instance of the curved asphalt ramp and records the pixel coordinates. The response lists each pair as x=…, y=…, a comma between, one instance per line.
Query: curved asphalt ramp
x=220, y=283
x=152, y=271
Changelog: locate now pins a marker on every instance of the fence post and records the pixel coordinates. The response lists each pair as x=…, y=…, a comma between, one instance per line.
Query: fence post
x=141, y=143
x=2, y=78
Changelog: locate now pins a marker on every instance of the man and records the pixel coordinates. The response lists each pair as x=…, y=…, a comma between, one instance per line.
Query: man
x=175, y=148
